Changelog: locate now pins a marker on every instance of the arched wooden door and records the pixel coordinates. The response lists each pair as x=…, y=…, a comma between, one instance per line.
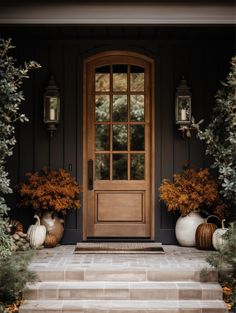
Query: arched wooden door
x=118, y=146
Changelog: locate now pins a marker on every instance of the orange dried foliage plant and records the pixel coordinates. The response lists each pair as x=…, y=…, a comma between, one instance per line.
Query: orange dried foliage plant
x=192, y=191
x=50, y=190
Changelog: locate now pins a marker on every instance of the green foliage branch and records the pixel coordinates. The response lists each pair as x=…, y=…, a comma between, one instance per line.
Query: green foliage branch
x=224, y=261
x=11, y=97
x=14, y=274
x=220, y=136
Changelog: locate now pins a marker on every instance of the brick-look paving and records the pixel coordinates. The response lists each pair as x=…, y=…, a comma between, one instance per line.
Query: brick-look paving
x=114, y=283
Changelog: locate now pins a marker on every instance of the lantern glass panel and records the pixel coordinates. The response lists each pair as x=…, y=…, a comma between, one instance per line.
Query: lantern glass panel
x=183, y=109
x=52, y=108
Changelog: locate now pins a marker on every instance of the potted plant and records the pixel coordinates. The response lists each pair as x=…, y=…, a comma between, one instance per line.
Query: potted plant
x=192, y=193
x=51, y=194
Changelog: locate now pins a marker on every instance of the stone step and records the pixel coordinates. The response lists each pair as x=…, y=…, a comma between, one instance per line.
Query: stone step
x=124, y=291
x=123, y=306
x=111, y=273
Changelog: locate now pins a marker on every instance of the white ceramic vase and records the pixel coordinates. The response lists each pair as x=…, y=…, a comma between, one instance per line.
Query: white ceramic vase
x=54, y=224
x=185, y=228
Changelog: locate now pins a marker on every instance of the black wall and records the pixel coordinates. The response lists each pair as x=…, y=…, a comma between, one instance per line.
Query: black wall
x=201, y=54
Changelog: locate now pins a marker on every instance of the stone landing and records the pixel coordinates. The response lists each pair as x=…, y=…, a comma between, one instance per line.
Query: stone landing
x=100, y=283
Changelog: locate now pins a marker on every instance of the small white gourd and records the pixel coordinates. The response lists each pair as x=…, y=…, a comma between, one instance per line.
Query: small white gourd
x=36, y=233
x=217, y=240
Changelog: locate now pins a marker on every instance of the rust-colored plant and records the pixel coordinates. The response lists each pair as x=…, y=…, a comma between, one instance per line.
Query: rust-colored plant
x=192, y=191
x=50, y=190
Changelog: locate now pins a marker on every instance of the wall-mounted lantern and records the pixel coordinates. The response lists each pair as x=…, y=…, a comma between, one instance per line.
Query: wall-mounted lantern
x=183, y=104
x=51, y=106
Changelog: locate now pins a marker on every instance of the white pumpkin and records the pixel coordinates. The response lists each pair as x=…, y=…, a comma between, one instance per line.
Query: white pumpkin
x=217, y=239
x=36, y=233
x=29, y=232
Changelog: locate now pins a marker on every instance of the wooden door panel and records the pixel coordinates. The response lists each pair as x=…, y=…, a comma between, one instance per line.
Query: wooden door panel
x=120, y=206
x=118, y=137
x=121, y=230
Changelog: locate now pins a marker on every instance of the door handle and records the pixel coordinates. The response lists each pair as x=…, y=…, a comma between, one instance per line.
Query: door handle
x=90, y=174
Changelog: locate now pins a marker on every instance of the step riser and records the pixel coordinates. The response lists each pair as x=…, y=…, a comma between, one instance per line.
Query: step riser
x=126, y=275
x=123, y=294
x=166, y=310
x=115, y=306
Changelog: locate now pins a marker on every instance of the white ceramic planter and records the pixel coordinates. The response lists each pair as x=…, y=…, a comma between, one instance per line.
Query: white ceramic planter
x=53, y=224
x=185, y=228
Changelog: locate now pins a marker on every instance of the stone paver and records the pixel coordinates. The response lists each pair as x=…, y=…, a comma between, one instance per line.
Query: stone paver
x=115, y=283
x=178, y=263
x=124, y=290
x=140, y=306
x=175, y=257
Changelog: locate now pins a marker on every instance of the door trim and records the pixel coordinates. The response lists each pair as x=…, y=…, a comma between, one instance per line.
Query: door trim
x=152, y=133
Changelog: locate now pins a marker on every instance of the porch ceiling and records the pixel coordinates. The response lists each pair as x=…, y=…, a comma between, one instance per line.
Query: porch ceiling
x=114, y=13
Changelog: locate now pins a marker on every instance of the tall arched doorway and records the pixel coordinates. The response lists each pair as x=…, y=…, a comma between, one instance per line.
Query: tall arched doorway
x=118, y=143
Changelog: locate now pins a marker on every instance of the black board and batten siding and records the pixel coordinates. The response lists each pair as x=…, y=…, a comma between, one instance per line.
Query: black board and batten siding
x=202, y=54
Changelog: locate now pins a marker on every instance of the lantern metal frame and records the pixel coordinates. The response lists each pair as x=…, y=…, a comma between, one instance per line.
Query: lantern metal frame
x=183, y=104
x=51, y=106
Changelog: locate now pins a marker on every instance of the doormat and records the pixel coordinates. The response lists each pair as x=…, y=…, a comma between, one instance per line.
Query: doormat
x=118, y=248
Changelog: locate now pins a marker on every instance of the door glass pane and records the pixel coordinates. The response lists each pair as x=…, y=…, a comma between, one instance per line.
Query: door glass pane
x=136, y=78
x=120, y=137
x=102, y=109
x=102, y=137
x=102, y=78
x=137, y=108
x=102, y=166
x=137, y=166
x=120, y=77
x=137, y=137
x=120, y=111
x=120, y=166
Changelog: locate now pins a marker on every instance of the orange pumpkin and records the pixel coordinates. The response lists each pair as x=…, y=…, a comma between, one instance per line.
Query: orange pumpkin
x=50, y=241
x=15, y=226
x=204, y=233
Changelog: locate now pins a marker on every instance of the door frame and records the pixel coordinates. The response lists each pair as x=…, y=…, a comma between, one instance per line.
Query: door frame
x=152, y=133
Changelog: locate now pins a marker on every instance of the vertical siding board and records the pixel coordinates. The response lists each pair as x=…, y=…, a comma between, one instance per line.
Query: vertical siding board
x=181, y=67
x=56, y=70
x=196, y=147
x=211, y=85
x=70, y=121
x=41, y=139
x=26, y=148
x=27, y=129
x=158, y=139
x=225, y=50
x=167, y=118
x=217, y=64
x=79, y=130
